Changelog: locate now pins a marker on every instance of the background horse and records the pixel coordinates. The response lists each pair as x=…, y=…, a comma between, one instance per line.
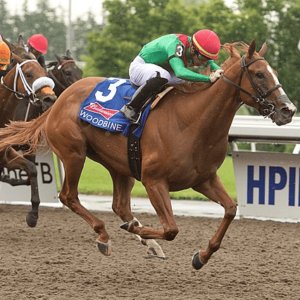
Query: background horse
x=26, y=81
x=183, y=144
x=63, y=72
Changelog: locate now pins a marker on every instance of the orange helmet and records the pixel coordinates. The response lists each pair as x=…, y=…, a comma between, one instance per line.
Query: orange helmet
x=4, y=54
x=38, y=42
x=207, y=43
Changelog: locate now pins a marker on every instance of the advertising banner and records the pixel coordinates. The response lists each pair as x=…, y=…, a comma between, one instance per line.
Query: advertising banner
x=268, y=185
x=46, y=181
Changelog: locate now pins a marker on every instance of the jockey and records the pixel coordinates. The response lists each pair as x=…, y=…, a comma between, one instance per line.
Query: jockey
x=167, y=60
x=38, y=45
x=5, y=57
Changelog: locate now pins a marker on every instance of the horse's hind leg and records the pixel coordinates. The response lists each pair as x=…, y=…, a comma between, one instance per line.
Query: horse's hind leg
x=215, y=191
x=13, y=160
x=73, y=165
x=122, y=186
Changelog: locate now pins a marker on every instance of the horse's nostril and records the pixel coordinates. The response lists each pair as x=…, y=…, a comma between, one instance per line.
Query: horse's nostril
x=286, y=111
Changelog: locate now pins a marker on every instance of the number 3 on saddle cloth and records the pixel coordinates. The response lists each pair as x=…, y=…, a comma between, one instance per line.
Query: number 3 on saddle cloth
x=102, y=106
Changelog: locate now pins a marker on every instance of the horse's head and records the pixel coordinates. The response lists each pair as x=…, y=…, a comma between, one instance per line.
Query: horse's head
x=28, y=80
x=259, y=87
x=64, y=72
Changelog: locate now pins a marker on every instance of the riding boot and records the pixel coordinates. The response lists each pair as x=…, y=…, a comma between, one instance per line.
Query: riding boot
x=152, y=86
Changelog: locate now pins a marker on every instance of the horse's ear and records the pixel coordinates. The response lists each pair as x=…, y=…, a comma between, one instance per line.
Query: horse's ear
x=251, y=49
x=21, y=42
x=263, y=49
x=58, y=58
x=68, y=53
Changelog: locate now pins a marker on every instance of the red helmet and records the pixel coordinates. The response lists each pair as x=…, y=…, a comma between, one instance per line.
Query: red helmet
x=207, y=43
x=38, y=42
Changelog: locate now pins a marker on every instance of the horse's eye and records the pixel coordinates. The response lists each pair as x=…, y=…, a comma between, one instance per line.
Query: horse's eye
x=29, y=75
x=68, y=73
x=259, y=75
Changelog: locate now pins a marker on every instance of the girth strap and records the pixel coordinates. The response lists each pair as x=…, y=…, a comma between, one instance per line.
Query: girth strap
x=134, y=153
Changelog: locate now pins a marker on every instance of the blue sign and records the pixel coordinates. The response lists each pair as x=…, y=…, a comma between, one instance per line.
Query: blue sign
x=279, y=178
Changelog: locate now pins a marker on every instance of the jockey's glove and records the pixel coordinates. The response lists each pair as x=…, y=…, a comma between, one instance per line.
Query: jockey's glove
x=216, y=75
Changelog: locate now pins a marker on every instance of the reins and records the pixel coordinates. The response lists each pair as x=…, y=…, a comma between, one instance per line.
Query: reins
x=261, y=96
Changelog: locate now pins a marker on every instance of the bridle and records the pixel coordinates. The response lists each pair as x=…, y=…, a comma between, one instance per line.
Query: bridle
x=260, y=97
x=30, y=90
x=66, y=80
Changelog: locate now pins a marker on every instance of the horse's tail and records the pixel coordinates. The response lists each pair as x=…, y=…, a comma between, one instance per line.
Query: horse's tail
x=24, y=133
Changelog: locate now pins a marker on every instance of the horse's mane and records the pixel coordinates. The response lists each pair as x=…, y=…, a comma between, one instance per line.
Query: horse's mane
x=233, y=49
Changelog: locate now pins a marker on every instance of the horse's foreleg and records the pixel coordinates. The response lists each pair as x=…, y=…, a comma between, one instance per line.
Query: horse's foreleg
x=121, y=206
x=73, y=165
x=215, y=191
x=13, y=160
x=160, y=199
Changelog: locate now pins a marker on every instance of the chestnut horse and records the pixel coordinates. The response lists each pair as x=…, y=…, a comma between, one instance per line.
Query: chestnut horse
x=184, y=142
x=26, y=81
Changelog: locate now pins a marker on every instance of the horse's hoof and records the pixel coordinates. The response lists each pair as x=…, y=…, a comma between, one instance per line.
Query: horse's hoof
x=196, y=262
x=104, y=248
x=31, y=219
x=125, y=226
x=128, y=226
x=154, y=249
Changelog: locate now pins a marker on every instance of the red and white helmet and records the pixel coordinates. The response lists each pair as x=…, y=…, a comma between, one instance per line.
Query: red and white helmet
x=207, y=43
x=38, y=42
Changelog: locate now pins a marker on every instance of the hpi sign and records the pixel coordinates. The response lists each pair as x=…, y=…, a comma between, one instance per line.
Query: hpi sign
x=268, y=185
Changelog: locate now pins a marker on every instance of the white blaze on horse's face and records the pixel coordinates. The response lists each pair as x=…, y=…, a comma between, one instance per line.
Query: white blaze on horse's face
x=290, y=105
x=282, y=92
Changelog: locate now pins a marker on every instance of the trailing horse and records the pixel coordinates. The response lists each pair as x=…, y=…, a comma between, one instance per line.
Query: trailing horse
x=64, y=72
x=26, y=81
x=183, y=144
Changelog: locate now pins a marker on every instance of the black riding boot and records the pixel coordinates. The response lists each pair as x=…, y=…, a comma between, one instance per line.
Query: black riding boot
x=152, y=86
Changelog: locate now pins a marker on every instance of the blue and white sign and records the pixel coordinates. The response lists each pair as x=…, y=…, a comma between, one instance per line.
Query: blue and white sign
x=268, y=185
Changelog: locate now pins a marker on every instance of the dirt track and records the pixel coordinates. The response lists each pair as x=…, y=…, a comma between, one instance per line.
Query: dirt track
x=58, y=260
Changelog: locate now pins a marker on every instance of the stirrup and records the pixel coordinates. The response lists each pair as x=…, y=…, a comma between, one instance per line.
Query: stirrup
x=130, y=113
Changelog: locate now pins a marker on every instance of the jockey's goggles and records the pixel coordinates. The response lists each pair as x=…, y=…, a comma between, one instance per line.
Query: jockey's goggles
x=200, y=56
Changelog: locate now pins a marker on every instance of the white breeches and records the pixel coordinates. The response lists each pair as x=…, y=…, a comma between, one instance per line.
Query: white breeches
x=140, y=72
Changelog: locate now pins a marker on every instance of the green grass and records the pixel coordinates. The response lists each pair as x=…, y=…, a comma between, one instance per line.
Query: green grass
x=96, y=180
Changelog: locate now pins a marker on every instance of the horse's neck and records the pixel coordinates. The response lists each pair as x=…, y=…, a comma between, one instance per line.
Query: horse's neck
x=210, y=110
x=8, y=103
x=58, y=88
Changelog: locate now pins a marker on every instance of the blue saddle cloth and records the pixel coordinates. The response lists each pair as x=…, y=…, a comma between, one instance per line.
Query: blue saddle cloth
x=102, y=107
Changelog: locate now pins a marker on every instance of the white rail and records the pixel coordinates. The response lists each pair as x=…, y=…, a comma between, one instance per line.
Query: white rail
x=259, y=129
